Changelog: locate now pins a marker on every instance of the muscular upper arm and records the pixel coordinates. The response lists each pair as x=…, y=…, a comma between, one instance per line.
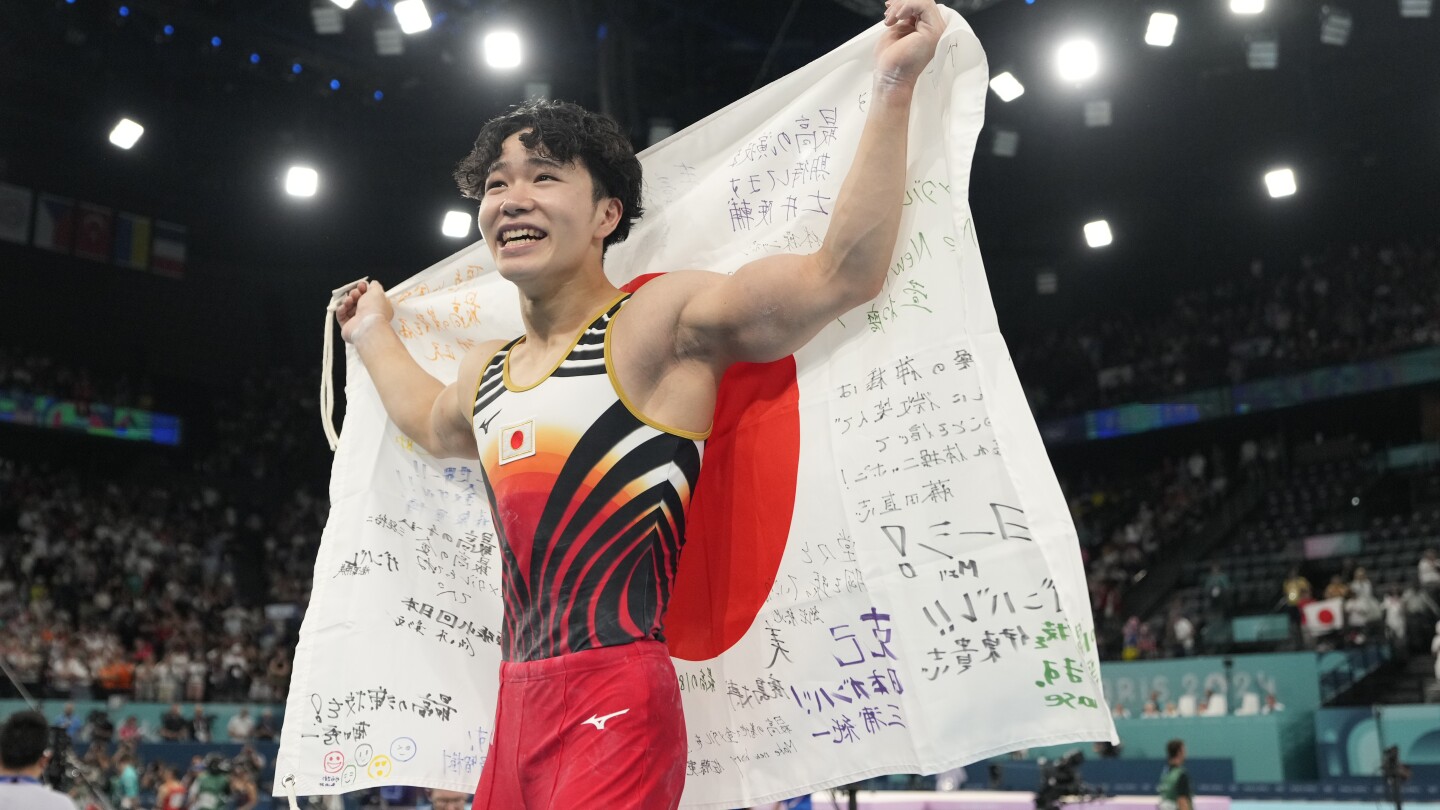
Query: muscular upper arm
x=766, y=310
x=450, y=420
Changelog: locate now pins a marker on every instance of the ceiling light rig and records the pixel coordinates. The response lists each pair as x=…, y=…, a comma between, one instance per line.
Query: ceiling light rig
x=412, y=16
x=1077, y=60
x=1007, y=87
x=1161, y=30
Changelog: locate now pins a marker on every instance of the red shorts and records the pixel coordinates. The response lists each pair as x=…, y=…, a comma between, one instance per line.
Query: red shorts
x=599, y=728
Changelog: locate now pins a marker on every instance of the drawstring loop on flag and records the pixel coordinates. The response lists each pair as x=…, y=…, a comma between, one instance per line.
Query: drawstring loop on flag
x=290, y=791
x=327, y=360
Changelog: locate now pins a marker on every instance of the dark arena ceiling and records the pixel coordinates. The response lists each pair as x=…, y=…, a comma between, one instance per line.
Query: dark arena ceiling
x=1177, y=173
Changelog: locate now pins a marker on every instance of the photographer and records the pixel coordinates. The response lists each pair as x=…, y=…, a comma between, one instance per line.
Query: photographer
x=24, y=753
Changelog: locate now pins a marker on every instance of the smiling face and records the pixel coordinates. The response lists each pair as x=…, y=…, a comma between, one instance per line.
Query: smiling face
x=540, y=217
x=402, y=749
x=380, y=767
x=334, y=761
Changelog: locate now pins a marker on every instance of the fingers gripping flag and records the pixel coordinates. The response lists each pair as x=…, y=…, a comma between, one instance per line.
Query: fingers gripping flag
x=881, y=574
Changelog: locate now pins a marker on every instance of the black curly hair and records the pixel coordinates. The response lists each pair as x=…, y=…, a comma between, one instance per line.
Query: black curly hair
x=566, y=132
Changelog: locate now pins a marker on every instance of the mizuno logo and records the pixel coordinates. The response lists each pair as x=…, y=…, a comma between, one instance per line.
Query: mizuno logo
x=485, y=426
x=599, y=722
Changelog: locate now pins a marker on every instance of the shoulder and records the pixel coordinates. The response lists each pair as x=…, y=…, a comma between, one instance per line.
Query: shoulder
x=474, y=363
x=673, y=290
x=660, y=312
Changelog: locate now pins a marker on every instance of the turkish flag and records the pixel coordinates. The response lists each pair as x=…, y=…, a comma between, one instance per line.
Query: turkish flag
x=1325, y=615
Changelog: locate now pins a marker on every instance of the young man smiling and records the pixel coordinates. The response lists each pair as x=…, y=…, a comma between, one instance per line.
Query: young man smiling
x=589, y=426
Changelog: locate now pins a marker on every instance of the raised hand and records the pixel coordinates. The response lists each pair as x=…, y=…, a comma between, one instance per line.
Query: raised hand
x=913, y=28
x=355, y=310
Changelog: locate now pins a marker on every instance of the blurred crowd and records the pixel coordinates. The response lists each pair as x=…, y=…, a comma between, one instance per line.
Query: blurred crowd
x=1345, y=305
x=40, y=375
x=176, y=581
x=1126, y=522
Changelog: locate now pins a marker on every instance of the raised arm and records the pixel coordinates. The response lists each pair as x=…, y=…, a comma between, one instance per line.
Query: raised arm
x=434, y=415
x=771, y=307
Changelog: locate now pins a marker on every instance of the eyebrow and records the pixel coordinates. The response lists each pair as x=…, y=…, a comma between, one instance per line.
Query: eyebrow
x=532, y=160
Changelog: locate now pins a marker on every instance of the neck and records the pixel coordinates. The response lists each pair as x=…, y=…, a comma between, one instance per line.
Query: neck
x=33, y=772
x=554, y=315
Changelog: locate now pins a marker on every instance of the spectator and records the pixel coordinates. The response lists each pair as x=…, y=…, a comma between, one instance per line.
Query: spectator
x=450, y=800
x=1272, y=704
x=1218, y=591
x=171, y=793
x=1182, y=634
x=173, y=726
x=1429, y=571
x=1435, y=649
x=240, y=726
x=1393, y=607
x=244, y=795
x=131, y=732
x=69, y=722
x=266, y=729
x=127, y=782
x=1337, y=589
x=1297, y=590
x=24, y=742
x=200, y=724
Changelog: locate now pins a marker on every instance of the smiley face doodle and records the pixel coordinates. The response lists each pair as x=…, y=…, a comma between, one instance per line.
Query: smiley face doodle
x=334, y=761
x=363, y=752
x=380, y=767
x=348, y=775
x=403, y=749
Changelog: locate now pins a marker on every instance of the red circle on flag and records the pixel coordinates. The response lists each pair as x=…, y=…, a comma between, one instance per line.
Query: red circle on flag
x=739, y=517
x=517, y=439
x=1325, y=615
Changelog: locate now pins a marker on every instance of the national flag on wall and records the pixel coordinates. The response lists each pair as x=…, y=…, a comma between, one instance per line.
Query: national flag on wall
x=93, y=232
x=1325, y=615
x=55, y=223
x=132, y=241
x=168, y=250
x=16, y=203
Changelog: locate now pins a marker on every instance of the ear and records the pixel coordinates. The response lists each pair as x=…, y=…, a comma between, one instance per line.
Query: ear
x=611, y=210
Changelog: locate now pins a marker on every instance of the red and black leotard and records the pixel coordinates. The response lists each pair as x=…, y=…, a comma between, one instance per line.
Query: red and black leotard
x=589, y=500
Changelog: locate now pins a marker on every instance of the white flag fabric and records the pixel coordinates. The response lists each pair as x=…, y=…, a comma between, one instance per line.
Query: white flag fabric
x=881, y=574
x=1324, y=615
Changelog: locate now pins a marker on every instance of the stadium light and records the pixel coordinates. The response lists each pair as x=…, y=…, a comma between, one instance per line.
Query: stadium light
x=126, y=133
x=1097, y=234
x=389, y=42
x=1247, y=6
x=1078, y=60
x=345, y=4
x=412, y=16
x=1263, y=53
x=1335, y=25
x=1416, y=8
x=1280, y=182
x=1006, y=143
x=1098, y=113
x=327, y=20
x=1007, y=87
x=1161, y=31
x=457, y=224
x=502, y=50
x=301, y=181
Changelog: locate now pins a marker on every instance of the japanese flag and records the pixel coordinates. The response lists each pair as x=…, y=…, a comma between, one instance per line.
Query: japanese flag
x=1325, y=615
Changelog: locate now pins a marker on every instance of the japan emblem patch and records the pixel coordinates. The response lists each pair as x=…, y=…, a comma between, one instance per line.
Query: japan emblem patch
x=517, y=441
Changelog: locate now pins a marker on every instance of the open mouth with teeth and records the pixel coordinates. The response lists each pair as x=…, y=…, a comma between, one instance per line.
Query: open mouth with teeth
x=520, y=236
